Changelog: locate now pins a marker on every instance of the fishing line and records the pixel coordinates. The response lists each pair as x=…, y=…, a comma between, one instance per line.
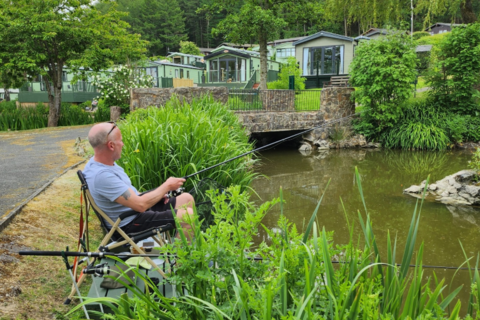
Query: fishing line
x=270, y=145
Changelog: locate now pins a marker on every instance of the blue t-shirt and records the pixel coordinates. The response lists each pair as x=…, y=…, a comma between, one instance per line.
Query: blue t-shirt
x=107, y=183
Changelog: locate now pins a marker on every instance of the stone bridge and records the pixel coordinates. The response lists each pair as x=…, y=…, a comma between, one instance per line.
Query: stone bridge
x=278, y=106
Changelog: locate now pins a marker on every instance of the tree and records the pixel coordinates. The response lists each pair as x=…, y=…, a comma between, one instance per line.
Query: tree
x=10, y=79
x=161, y=22
x=45, y=36
x=189, y=47
x=258, y=20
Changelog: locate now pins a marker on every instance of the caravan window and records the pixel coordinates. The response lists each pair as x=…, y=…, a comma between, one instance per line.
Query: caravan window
x=323, y=60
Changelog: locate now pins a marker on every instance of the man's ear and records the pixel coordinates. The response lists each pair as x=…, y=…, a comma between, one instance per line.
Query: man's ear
x=110, y=145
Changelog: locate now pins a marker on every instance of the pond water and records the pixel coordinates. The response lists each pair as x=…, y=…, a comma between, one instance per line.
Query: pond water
x=384, y=174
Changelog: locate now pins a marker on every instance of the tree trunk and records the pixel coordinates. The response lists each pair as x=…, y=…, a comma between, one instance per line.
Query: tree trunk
x=6, y=94
x=263, y=61
x=468, y=15
x=55, y=97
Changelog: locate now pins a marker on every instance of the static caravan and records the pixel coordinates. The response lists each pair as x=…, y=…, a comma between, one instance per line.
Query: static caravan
x=235, y=68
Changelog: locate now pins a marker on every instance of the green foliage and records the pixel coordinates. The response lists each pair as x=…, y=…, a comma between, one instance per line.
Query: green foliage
x=102, y=113
x=115, y=87
x=181, y=139
x=420, y=34
x=457, y=71
x=384, y=70
x=296, y=278
x=289, y=69
x=41, y=37
x=71, y=115
x=162, y=23
x=475, y=162
x=189, y=47
x=36, y=117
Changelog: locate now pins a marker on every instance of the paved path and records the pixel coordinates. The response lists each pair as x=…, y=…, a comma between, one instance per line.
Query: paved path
x=29, y=159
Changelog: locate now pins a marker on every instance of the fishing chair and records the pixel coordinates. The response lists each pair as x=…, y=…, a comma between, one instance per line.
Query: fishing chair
x=115, y=238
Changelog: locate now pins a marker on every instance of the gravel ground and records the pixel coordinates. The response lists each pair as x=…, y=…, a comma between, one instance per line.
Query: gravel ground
x=31, y=158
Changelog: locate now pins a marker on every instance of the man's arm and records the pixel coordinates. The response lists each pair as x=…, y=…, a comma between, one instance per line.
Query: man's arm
x=140, y=204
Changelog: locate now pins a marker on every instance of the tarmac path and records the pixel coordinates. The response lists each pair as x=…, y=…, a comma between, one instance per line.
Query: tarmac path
x=31, y=158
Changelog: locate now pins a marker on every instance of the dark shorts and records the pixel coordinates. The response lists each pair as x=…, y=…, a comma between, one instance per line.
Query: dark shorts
x=157, y=216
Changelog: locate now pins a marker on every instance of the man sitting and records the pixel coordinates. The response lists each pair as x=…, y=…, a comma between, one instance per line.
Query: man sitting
x=114, y=193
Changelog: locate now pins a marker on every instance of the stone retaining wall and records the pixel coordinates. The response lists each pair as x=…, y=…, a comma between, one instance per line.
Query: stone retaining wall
x=145, y=97
x=278, y=100
x=280, y=121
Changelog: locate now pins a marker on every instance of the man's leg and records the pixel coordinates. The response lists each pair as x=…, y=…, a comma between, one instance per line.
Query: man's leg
x=184, y=208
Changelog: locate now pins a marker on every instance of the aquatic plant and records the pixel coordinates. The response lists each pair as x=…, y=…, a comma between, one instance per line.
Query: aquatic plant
x=180, y=139
x=293, y=275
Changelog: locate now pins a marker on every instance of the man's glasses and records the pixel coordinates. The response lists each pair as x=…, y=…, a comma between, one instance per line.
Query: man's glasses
x=114, y=126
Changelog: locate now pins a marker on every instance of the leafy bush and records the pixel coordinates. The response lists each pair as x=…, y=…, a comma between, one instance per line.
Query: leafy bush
x=457, y=71
x=181, y=139
x=71, y=115
x=289, y=69
x=8, y=106
x=189, y=47
x=420, y=34
x=115, y=87
x=475, y=162
x=384, y=69
x=102, y=113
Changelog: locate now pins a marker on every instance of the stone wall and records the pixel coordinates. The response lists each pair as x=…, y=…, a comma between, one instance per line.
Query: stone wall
x=280, y=121
x=278, y=100
x=145, y=97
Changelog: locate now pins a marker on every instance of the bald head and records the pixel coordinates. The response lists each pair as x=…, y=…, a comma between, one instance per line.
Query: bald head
x=97, y=136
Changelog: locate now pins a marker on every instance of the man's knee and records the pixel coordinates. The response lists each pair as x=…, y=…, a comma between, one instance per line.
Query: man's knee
x=185, y=199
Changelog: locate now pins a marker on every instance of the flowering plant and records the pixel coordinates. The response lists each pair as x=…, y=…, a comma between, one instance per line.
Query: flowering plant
x=115, y=87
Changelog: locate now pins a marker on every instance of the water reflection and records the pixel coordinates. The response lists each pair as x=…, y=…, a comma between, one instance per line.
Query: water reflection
x=384, y=174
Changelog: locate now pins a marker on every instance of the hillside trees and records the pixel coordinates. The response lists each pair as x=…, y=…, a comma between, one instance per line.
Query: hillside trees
x=45, y=36
x=161, y=22
x=377, y=13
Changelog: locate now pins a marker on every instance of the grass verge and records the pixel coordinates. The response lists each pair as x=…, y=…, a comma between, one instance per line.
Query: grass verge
x=35, y=287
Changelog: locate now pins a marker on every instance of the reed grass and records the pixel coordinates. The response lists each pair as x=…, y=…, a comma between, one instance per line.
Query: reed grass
x=181, y=139
x=297, y=277
x=13, y=118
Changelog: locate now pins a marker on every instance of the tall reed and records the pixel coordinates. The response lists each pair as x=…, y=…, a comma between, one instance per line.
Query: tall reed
x=180, y=139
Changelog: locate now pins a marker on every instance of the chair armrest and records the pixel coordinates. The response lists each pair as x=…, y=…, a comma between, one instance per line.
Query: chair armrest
x=127, y=214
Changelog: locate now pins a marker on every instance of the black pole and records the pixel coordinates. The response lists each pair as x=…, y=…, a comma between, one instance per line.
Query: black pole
x=82, y=254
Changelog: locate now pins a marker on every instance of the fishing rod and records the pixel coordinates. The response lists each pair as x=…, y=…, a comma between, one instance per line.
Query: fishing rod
x=274, y=143
x=112, y=254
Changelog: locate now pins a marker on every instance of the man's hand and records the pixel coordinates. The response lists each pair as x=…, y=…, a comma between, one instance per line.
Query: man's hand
x=173, y=183
x=166, y=198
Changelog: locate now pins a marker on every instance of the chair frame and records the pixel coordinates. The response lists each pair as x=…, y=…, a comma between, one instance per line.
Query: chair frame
x=155, y=233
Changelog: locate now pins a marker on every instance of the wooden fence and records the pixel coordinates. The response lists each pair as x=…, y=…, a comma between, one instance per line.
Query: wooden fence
x=177, y=83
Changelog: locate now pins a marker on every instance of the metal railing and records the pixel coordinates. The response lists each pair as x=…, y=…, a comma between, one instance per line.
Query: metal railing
x=252, y=80
x=226, y=76
x=80, y=86
x=307, y=100
x=244, y=100
x=251, y=100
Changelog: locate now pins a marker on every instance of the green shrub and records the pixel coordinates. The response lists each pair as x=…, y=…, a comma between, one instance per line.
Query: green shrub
x=384, y=69
x=457, y=71
x=23, y=118
x=71, y=115
x=181, y=139
x=475, y=162
x=289, y=69
x=8, y=106
x=420, y=34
